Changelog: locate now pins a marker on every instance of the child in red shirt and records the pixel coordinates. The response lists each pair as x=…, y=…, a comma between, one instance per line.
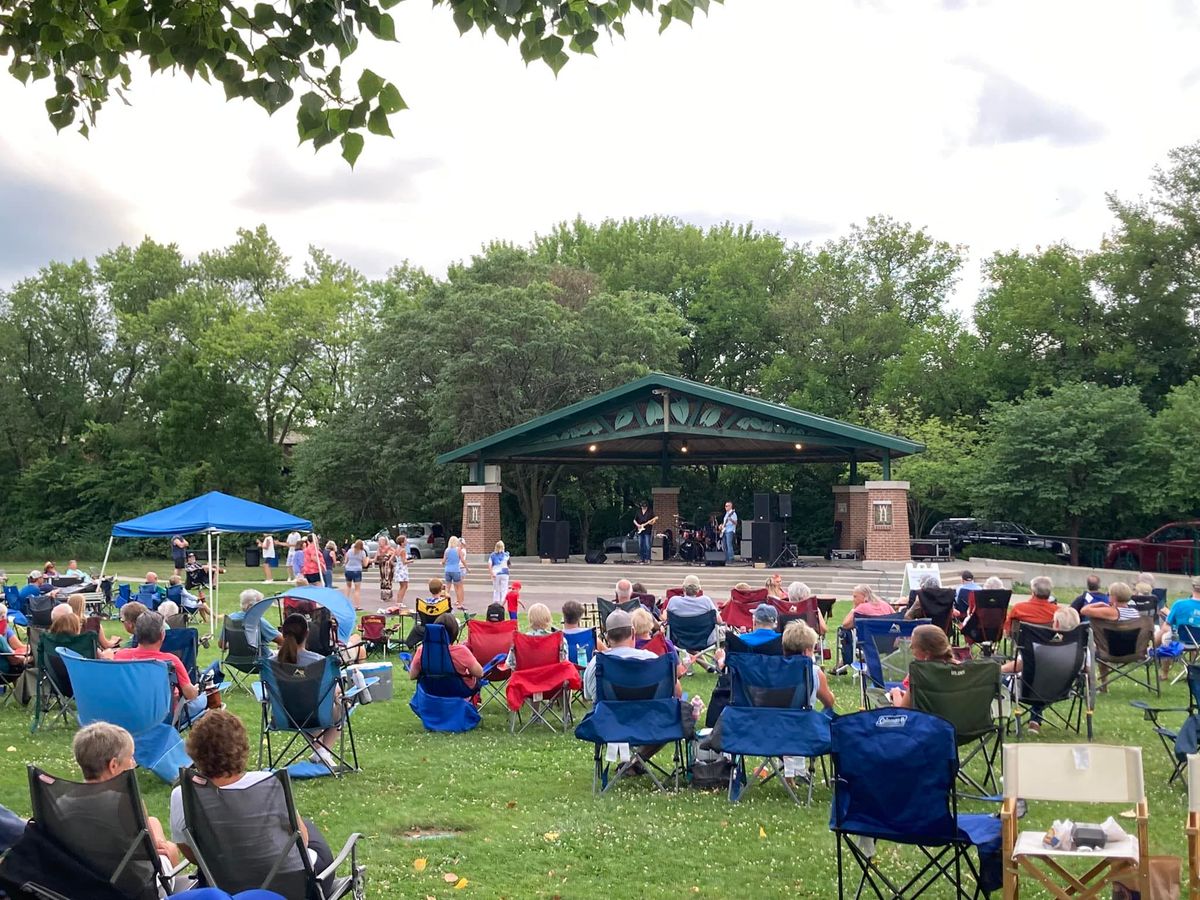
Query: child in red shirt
x=513, y=599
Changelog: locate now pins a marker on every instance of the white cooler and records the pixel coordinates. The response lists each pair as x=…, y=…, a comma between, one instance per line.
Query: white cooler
x=381, y=670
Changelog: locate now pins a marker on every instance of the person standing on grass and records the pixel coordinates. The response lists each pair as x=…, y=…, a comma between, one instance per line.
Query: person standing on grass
x=312, y=563
x=329, y=557
x=267, y=546
x=356, y=561
x=385, y=561
x=179, y=553
x=498, y=566
x=400, y=570
x=454, y=560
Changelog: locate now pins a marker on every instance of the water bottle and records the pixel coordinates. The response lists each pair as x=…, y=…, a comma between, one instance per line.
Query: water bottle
x=697, y=707
x=581, y=659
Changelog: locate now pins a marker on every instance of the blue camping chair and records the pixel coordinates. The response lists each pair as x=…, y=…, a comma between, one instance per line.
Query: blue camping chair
x=581, y=647
x=300, y=702
x=135, y=694
x=1185, y=739
x=185, y=643
x=696, y=634
x=16, y=607
x=635, y=705
x=882, y=760
x=442, y=700
x=883, y=647
x=770, y=715
x=1188, y=637
x=124, y=595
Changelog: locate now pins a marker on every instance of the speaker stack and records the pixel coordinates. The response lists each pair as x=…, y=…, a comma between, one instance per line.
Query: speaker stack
x=554, y=533
x=767, y=531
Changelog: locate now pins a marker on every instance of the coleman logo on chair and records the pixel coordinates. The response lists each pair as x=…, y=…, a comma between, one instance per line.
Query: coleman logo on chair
x=893, y=721
x=895, y=629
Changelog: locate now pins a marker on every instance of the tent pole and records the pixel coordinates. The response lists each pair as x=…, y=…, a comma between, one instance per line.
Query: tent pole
x=107, y=550
x=212, y=582
x=216, y=576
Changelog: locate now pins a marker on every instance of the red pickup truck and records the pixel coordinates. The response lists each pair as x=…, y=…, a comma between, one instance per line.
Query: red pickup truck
x=1171, y=548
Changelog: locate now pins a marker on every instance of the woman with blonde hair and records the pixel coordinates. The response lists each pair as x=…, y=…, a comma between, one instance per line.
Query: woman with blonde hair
x=928, y=643
x=541, y=623
x=498, y=566
x=454, y=561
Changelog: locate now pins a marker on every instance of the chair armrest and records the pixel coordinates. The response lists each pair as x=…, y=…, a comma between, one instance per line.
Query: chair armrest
x=356, y=690
x=1147, y=708
x=39, y=891
x=183, y=864
x=341, y=857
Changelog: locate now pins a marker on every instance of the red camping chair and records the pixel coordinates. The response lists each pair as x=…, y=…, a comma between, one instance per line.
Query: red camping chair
x=375, y=633
x=656, y=645
x=649, y=603
x=542, y=681
x=739, y=611
x=807, y=610
x=671, y=592
x=489, y=643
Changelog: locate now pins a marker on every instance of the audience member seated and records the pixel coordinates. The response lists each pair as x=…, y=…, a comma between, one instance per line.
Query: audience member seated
x=928, y=642
x=799, y=639
x=963, y=591
x=9, y=640
x=540, y=625
x=168, y=609
x=37, y=586
x=619, y=628
x=103, y=751
x=866, y=603
x=799, y=592
x=1089, y=596
x=1038, y=609
x=50, y=570
x=774, y=587
x=63, y=621
x=646, y=638
x=129, y=616
x=1117, y=608
x=1066, y=618
x=152, y=582
x=267, y=631
x=1184, y=611
x=75, y=601
x=149, y=632
x=464, y=660
x=914, y=610
x=572, y=613
x=693, y=601
x=192, y=604
x=993, y=584
x=73, y=571
x=766, y=621
x=219, y=749
x=293, y=652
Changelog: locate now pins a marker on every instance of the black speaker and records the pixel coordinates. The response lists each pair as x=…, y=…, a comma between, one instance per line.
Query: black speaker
x=785, y=506
x=714, y=557
x=550, y=510
x=767, y=542
x=764, y=507
x=596, y=557
x=554, y=540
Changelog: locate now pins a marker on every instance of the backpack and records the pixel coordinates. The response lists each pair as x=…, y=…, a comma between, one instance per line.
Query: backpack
x=710, y=769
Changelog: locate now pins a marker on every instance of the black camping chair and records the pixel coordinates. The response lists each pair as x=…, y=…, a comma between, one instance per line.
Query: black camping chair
x=53, y=691
x=966, y=695
x=1054, y=670
x=937, y=605
x=987, y=611
x=250, y=838
x=1181, y=741
x=243, y=660
x=605, y=607
x=1123, y=648
x=427, y=610
x=100, y=831
x=698, y=635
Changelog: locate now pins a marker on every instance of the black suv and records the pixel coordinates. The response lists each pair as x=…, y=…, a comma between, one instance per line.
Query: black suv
x=1005, y=534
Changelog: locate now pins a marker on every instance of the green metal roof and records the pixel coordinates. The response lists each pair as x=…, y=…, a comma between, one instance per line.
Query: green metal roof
x=697, y=424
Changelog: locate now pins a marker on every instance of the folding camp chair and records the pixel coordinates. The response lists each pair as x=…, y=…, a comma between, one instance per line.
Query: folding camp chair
x=243, y=659
x=966, y=695
x=882, y=760
x=1124, y=647
x=1189, y=639
x=39, y=610
x=124, y=595
x=1074, y=773
x=541, y=681
x=1146, y=605
x=427, y=610
x=300, y=702
x=250, y=838
x=739, y=611
x=1193, y=827
x=636, y=706
x=605, y=607
x=149, y=596
x=135, y=694
x=54, y=690
x=987, y=611
x=735, y=644
x=698, y=635
x=937, y=605
x=90, y=839
x=1184, y=740
x=770, y=716
x=581, y=647
x=489, y=643
x=442, y=700
x=1055, y=669
x=884, y=653
x=375, y=634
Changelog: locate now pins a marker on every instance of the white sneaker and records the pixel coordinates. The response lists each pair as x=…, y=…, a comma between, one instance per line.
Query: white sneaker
x=322, y=755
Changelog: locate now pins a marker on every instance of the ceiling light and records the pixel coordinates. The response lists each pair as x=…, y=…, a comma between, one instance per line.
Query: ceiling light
x=591, y=448
x=683, y=449
x=799, y=446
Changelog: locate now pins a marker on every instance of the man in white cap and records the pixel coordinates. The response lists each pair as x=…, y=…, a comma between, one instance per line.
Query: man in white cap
x=619, y=635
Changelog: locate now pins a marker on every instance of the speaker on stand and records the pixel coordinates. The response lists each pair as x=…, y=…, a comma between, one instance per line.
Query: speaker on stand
x=550, y=510
x=787, y=551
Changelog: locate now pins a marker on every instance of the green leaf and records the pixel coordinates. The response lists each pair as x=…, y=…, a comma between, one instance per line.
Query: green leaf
x=369, y=84
x=557, y=61
x=463, y=20
x=390, y=100
x=377, y=123
x=352, y=145
x=264, y=15
x=386, y=30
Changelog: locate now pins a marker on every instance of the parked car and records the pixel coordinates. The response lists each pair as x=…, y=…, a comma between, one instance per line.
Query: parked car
x=964, y=531
x=1170, y=548
x=424, y=539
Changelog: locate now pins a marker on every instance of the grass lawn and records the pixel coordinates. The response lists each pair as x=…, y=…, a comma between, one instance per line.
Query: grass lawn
x=524, y=821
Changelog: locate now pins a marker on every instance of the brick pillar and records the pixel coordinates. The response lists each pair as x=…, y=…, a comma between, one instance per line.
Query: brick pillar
x=887, y=536
x=850, y=507
x=666, y=507
x=481, y=520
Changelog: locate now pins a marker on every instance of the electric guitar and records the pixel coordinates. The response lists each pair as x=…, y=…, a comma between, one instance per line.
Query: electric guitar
x=644, y=525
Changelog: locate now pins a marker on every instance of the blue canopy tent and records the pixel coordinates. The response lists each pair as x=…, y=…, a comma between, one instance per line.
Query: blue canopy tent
x=335, y=601
x=213, y=513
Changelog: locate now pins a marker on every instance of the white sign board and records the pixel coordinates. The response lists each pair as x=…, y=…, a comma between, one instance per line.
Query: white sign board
x=914, y=572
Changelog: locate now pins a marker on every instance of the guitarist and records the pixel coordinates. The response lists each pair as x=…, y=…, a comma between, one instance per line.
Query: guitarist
x=643, y=523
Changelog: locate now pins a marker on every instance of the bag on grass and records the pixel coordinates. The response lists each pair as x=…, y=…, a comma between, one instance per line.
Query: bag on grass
x=1164, y=881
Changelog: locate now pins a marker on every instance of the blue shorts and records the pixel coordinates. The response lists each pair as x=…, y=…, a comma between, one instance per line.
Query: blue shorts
x=353, y=576
x=272, y=561
x=513, y=616
x=453, y=577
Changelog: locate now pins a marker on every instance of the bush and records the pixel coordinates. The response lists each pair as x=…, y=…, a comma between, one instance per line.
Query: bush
x=1018, y=554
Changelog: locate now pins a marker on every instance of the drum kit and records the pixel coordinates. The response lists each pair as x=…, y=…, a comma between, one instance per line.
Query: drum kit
x=694, y=541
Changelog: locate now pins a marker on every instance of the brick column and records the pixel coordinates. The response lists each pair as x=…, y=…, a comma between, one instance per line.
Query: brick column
x=850, y=507
x=481, y=520
x=887, y=536
x=666, y=507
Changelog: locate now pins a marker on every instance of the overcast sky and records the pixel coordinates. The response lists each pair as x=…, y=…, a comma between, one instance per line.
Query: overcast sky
x=994, y=124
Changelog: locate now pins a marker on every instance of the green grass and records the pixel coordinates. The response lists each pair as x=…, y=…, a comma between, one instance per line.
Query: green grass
x=529, y=826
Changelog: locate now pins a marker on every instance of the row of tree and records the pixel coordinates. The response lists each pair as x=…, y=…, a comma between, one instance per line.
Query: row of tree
x=1066, y=399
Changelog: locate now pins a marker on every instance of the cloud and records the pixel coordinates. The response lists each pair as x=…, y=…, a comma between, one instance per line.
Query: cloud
x=46, y=218
x=1009, y=112
x=276, y=186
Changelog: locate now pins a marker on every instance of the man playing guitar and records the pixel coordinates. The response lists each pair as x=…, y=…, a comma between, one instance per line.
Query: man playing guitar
x=642, y=522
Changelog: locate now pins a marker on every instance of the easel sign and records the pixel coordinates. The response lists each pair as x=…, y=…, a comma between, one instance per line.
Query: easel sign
x=914, y=572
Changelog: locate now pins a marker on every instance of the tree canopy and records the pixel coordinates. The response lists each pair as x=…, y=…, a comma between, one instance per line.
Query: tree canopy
x=271, y=51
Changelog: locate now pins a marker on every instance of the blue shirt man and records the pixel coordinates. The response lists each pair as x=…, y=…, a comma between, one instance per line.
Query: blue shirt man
x=728, y=530
x=766, y=619
x=962, y=595
x=1186, y=610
